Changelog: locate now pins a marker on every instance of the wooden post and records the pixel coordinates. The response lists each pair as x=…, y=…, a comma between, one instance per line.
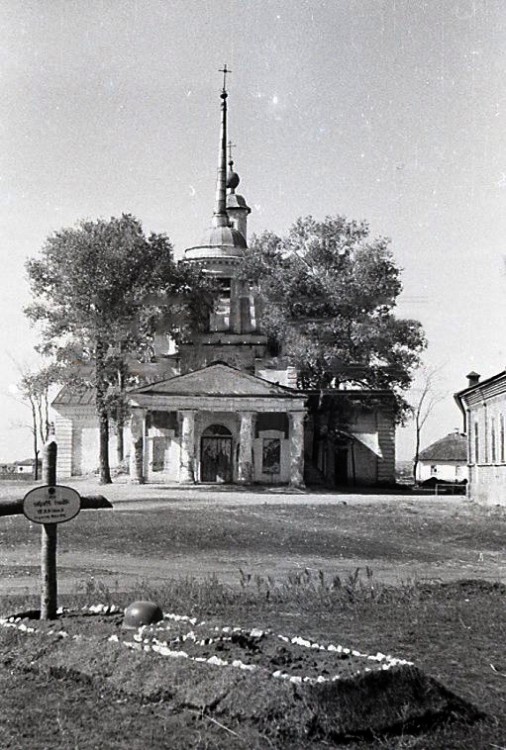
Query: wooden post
x=49, y=592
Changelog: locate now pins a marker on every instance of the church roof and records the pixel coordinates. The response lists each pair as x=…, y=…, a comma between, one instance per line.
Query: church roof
x=235, y=201
x=227, y=239
x=218, y=379
x=79, y=392
x=453, y=447
x=74, y=396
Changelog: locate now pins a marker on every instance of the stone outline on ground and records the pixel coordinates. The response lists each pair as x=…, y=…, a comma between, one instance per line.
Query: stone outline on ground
x=400, y=697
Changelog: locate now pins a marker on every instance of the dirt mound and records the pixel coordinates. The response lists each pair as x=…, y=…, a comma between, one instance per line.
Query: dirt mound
x=317, y=691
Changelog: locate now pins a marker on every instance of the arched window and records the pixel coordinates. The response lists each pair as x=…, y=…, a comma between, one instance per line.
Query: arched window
x=216, y=430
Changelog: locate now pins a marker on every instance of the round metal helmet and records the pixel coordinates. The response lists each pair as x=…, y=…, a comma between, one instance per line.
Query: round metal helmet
x=141, y=613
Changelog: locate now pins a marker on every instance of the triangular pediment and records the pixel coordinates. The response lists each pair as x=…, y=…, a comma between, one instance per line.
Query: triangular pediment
x=217, y=379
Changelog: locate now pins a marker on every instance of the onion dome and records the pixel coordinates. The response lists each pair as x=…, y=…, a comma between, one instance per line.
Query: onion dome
x=237, y=208
x=233, y=179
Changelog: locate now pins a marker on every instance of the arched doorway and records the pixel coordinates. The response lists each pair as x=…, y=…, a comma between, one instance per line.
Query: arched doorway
x=216, y=454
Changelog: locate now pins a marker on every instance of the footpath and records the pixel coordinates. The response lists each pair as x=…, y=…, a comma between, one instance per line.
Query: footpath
x=126, y=496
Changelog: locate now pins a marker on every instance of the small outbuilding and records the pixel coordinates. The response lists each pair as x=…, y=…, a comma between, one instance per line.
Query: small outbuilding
x=27, y=466
x=444, y=460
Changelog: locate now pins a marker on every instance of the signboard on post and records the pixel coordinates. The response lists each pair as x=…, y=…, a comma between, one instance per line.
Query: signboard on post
x=51, y=504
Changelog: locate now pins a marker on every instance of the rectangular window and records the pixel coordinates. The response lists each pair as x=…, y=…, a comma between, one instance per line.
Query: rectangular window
x=485, y=435
x=271, y=456
x=501, y=438
x=476, y=443
x=492, y=439
x=224, y=286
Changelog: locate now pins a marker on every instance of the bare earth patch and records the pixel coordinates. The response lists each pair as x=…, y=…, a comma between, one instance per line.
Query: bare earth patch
x=159, y=536
x=290, y=688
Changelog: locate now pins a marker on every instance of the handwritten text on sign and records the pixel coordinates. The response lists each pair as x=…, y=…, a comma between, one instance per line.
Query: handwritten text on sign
x=51, y=504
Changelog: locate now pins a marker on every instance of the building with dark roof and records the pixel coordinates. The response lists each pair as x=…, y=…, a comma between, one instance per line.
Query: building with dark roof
x=446, y=459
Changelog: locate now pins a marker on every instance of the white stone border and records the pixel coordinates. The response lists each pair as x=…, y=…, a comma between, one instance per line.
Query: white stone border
x=142, y=643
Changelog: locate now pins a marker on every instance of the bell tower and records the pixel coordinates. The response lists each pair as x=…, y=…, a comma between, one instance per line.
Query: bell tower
x=233, y=335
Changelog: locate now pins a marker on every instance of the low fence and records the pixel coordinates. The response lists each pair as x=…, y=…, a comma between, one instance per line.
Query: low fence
x=16, y=476
x=450, y=488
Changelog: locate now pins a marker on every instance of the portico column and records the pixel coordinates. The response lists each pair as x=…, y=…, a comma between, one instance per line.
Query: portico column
x=187, y=466
x=245, y=466
x=137, y=447
x=297, y=448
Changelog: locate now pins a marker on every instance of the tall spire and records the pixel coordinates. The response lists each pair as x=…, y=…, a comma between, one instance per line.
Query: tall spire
x=220, y=217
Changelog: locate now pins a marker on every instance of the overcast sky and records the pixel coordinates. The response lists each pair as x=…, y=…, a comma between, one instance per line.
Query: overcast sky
x=387, y=110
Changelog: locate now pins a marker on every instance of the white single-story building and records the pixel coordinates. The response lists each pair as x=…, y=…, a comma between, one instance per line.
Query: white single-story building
x=445, y=460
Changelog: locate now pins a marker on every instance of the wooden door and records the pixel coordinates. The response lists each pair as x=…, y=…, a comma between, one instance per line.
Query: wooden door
x=341, y=478
x=216, y=459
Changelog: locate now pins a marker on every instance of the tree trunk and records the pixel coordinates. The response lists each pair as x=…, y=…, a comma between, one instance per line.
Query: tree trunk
x=103, y=417
x=105, y=470
x=47, y=423
x=417, y=449
x=120, y=419
x=120, y=428
x=35, y=442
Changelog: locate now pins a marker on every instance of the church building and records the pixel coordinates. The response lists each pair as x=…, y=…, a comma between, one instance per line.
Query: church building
x=220, y=409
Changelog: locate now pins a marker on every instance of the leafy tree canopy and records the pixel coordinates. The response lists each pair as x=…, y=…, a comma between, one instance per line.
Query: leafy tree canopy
x=99, y=292
x=106, y=281
x=329, y=293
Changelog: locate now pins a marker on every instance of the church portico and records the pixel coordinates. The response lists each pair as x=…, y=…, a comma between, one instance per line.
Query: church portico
x=217, y=425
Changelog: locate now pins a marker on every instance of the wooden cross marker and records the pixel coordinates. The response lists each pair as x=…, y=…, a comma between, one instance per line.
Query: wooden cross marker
x=50, y=505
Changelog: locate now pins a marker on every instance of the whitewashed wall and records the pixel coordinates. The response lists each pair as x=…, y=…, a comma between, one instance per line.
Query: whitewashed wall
x=486, y=431
x=451, y=471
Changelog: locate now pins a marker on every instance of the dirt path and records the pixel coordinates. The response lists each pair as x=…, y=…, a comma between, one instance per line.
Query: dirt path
x=20, y=571
x=20, y=566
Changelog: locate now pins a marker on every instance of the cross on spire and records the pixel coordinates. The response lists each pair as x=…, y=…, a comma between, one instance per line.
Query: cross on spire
x=224, y=70
x=230, y=147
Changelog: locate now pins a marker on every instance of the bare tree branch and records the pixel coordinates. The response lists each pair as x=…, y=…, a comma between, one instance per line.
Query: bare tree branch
x=423, y=408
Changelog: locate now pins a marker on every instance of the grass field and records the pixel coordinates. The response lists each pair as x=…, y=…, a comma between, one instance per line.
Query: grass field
x=291, y=568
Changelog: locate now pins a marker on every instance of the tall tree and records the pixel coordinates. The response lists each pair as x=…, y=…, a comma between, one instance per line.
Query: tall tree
x=329, y=293
x=98, y=290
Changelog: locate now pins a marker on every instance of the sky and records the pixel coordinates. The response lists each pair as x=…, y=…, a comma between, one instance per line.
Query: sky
x=392, y=111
